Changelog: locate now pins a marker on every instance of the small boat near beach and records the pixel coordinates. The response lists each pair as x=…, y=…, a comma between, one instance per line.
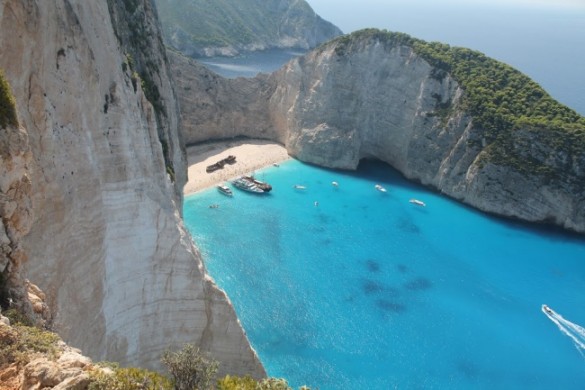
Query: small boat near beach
x=260, y=184
x=418, y=202
x=247, y=185
x=335, y=184
x=380, y=188
x=299, y=187
x=225, y=190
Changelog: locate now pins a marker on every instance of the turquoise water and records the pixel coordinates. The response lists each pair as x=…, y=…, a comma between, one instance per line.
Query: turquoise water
x=367, y=291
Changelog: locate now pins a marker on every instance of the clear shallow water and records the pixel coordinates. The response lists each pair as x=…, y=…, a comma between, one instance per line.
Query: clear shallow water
x=367, y=291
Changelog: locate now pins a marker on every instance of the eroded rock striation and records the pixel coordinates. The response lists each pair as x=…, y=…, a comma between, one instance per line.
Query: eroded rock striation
x=376, y=95
x=393, y=98
x=100, y=165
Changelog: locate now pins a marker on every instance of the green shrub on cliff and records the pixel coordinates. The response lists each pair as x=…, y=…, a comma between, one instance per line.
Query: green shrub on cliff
x=8, y=115
x=19, y=342
x=190, y=368
x=127, y=379
x=247, y=383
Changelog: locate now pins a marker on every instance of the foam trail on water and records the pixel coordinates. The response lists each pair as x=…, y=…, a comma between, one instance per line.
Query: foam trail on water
x=574, y=331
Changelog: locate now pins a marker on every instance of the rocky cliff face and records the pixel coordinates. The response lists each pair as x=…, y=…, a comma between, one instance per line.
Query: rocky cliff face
x=213, y=107
x=228, y=27
x=16, y=215
x=387, y=102
x=336, y=106
x=101, y=178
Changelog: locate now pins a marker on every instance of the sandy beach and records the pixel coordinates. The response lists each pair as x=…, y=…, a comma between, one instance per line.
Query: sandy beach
x=250, y=155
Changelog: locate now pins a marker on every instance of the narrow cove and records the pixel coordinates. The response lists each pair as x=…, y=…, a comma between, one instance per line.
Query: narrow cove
x=368, y=291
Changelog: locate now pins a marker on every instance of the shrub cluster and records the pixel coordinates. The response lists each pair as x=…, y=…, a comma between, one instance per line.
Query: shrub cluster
x=8, y=115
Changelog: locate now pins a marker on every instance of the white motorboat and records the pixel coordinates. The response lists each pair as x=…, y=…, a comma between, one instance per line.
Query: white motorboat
x=247, y=185
x=380, y=188
x=299, y=187
x=260, y=184
x=418, y=202
x=225, y=190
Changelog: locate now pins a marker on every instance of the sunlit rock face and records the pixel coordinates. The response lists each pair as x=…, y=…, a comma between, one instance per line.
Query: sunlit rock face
x=388, y=103
x=338, y=105
x=105, y=173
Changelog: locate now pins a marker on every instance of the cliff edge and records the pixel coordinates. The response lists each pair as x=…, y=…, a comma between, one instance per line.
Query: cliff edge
x=450, y=118
x=100, y=165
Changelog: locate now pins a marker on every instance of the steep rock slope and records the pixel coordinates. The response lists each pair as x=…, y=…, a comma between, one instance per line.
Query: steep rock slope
x=16, y=212
x=213, y=107
x=391, y=97
x=227, y=27
x=106, y=243
x=381, y=95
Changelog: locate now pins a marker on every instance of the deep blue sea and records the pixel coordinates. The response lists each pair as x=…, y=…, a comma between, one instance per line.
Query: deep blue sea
x=367, y=291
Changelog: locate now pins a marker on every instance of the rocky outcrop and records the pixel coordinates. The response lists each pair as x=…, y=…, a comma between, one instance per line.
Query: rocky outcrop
x=226, y=28
x=34, y=359
x=371, y=98
x=213, y=107
x=16, y=215
x=387, y=102
x=100, y=181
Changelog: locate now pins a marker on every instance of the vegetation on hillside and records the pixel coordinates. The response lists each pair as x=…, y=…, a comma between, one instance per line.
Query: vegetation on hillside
x=502, y=101
x=224, y=23
x=19, y=342
x=189, y=368
x=8, y=115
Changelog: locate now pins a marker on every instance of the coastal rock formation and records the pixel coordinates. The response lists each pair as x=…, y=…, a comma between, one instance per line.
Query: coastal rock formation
x=94, y=192
x=213, y=107
x=226, y=28
x=16, y=211
x=377, y=95
x=370, y=98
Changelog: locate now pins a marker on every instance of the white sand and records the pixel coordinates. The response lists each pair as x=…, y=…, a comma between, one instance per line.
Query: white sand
x=250, y=155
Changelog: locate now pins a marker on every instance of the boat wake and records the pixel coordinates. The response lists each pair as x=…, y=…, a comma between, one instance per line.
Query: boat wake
x=574, y=331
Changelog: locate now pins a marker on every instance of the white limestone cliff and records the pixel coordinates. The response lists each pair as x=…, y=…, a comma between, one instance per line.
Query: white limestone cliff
x=384, y=102
x=106, y=243
x=336, y=106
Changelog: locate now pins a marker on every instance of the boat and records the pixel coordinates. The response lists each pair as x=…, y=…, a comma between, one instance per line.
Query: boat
x=335, y=184
x=380, y=188
x=547, y=309
x=418, y=202
x=247, y=185
x=260, y=184
x=299, y=187
x=225, y=190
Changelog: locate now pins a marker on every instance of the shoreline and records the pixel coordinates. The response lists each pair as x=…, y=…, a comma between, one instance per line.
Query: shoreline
x=251, y=154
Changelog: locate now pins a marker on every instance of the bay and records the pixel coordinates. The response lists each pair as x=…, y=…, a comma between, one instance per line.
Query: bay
x=366, y=290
